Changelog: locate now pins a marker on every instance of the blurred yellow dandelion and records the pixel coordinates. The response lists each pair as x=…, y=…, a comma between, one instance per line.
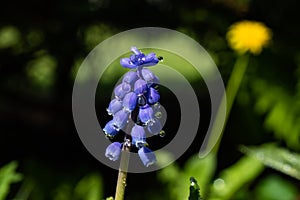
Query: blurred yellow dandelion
x=248, y=36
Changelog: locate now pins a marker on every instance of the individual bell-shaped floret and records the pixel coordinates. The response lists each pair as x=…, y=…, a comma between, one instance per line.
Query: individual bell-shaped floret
x=130, y=77
x=149, y=76
x=147, y=156
x=110, y=130
x=140, y=87
x=152, y=96
x=113, y=151
x=114, y=106
x=138, y=136
x=121, y=90
x=135, y=50
x=129, y=101
x=151, y=59
x=127, y=63
x=154, y=127
x=120, y=119
x=146, y=114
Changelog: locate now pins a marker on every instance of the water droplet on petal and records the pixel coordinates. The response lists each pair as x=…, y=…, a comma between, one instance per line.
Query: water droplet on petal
x=107, y=137
x=142, y=100
x=154, y=127
x=162, y=133
x=156, y=105
x=158, y=115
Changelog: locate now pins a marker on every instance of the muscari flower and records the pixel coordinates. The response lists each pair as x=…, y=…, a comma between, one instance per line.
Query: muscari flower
x=121, y=90
x=249, y=36
x=114, y=106
x=147, y=156
x=137, y=90
x=140, y=87
x=130, y=77
x=152, y=96
x=139, y=59
x=154, y=127
x=138, y=135
x=120, y=119
x=110, y=130
x=146, y=114
x=129, y=101
x=113, y=151
x=149, y=76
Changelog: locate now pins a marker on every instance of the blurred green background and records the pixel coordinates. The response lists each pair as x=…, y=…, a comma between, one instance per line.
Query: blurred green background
x=42, y=44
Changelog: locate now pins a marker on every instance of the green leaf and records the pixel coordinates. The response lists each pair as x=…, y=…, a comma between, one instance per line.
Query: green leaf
x=8, y=175
x=275, y=188
x=41, y=70
x=89, y=188
x=10, y=36
x=277, y=158
x=169, y=175
x=235, y=177
x=63, y=192
x=173, y=176
x=281, y=110
x=202, y=169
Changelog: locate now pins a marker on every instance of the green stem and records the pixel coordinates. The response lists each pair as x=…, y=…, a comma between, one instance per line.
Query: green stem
x=122, y=177
x=235, y=81
x=232, y=87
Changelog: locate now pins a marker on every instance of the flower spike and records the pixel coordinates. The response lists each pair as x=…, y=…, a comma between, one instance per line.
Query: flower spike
x=136, y=98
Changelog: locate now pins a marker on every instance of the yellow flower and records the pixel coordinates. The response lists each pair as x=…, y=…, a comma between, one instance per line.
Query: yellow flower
x=248, y=36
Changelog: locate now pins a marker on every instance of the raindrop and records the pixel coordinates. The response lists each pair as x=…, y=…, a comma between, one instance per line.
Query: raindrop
x=156, y=106
x=127, y=143
x=116, y=127
x=162, y=133
x=124, y=182
x=158, y=115
x=108, y=136
x=142, y=100
x=160, y=58
x=219, y=184
x=139, y=122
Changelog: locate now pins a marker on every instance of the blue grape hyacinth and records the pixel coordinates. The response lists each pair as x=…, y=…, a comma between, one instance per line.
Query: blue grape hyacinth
x=135, y=98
